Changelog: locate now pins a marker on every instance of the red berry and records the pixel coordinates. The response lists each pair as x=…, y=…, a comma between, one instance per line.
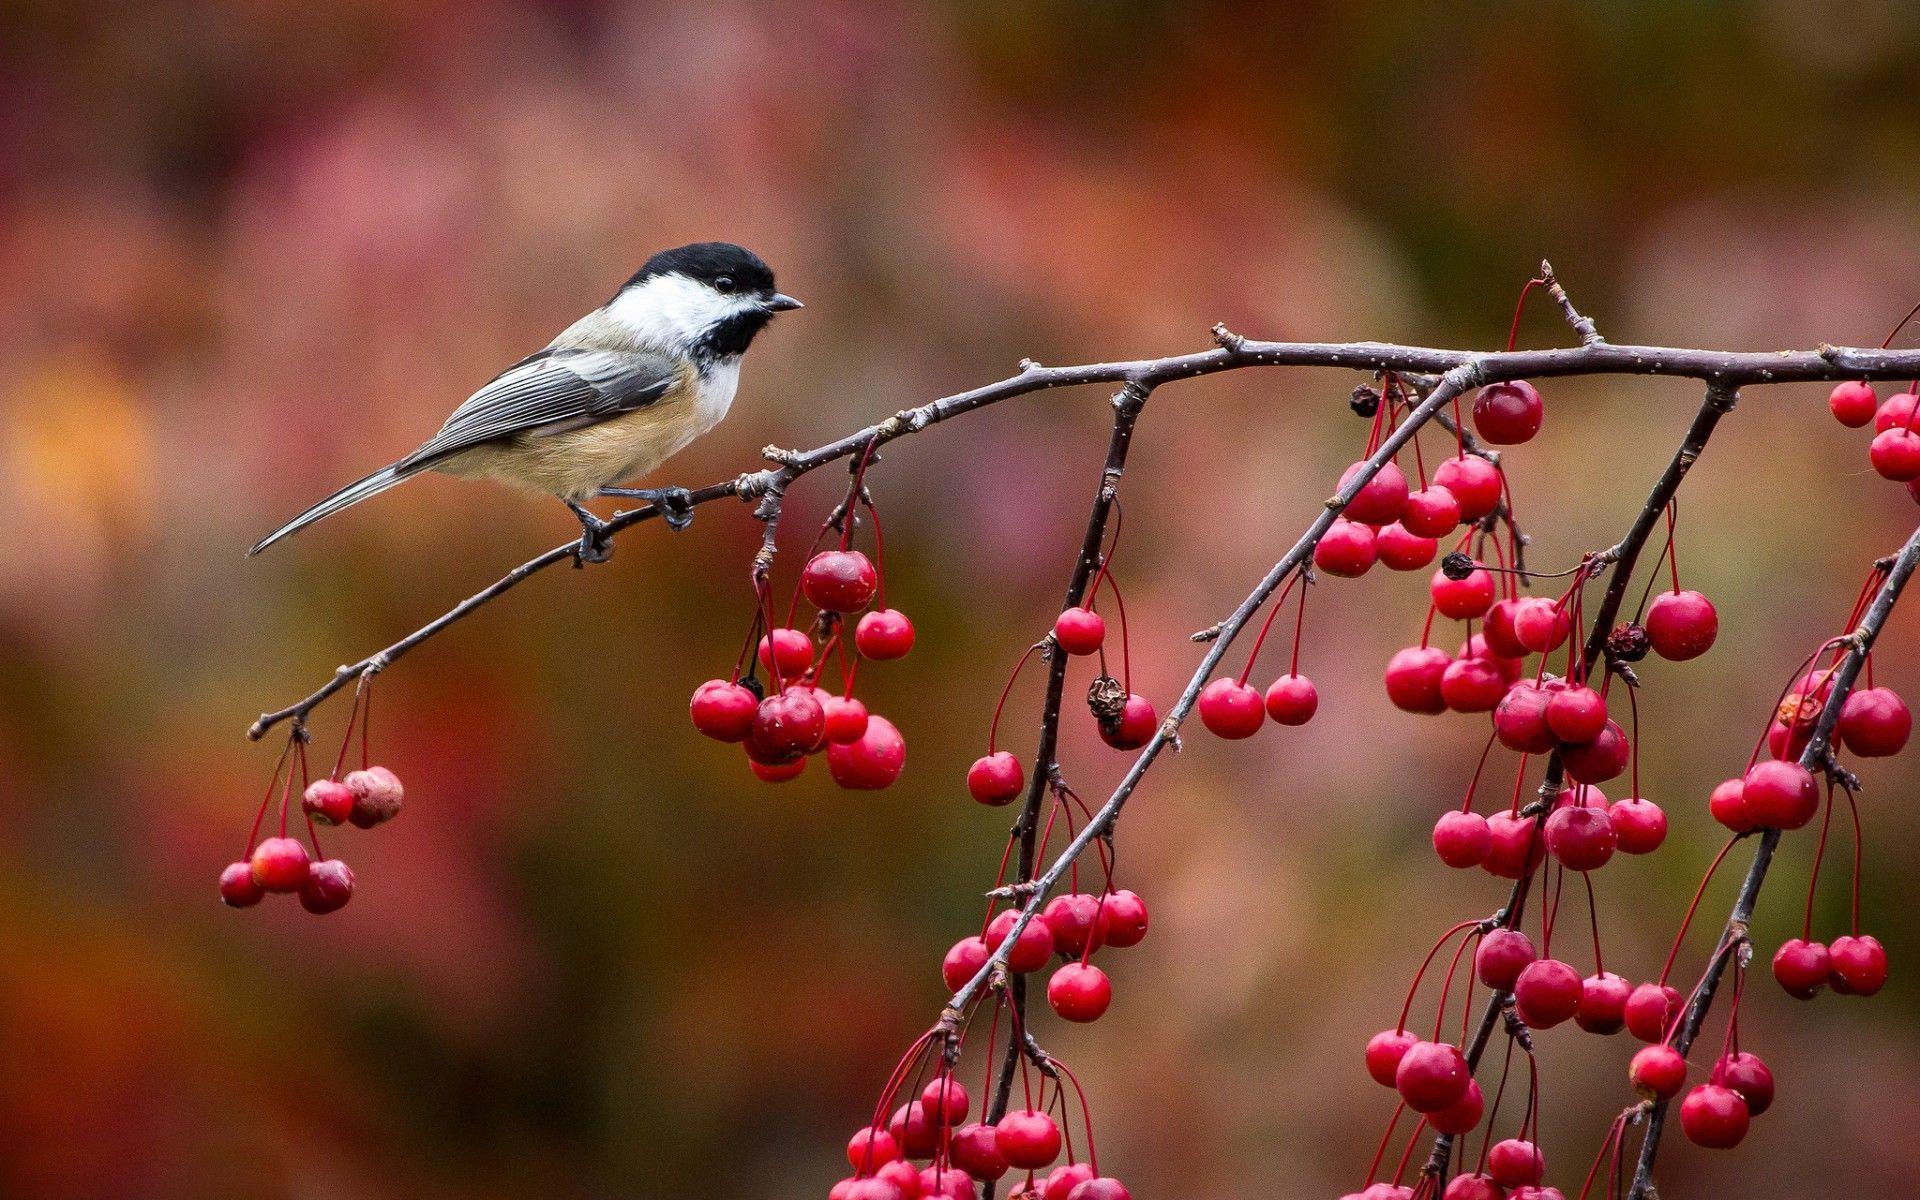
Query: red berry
x=1432, y=1076
x=1895, y=454
x=1474, y=1187
x=1472, y=685
x=777, y=772
x=328, y=801
x=995, y=779
x=1652, y=1009
x=1346, y=549
x=1859, y=965
x=1461, y=838
x=1681, y=625
x=1874, y=722
x=1658, y=1071
x=1501, y=636
x=1728, y=805
x=870, y=1149
x=902, y=1176
x=1520, y=719
x=1747, y=1074
x=377, y=796
x=914, y=1131
x=723, y=710
x=1540, y=624
x=1897, y=409
x=942, y=1182
x=1603, y=1003
x=280, y=864
x=328, y=887
x=786, y=653
x=1501, y=956
x=1074, y=919
x=1599, y=760
x=1714, y=1116
x=975, y=1150
x=945, y=1099
x=963, y=962
x=1135, y=727
x=1576, y=714
x=1581, y=837
x=1292, y=700
x=785, y=726
x=1384, y=1052
x=1781, y=795
x=1079, y=631
x=1431, y=512
x=238, y=888
x=1104, y=1187
x=1231, y=709
x=1460, y=1116
x=1516, y=1163
x=1413, y=679
x=1802, y=968
x=1031, y=949
x=1547, y=992
x=884, y=633
x=1515, y=847
x=1462, y=599
x=1474, y=483
x=1399, y=549
x=1123, y=919
x=1853, y=403
x=839, y=581
x=846, y=719
x=1027, y=1139
x=1640, y=825
x=1507, y=414
x=871, y=763
x=1079, y=991
x=1061, y=1181
x=1381, y=499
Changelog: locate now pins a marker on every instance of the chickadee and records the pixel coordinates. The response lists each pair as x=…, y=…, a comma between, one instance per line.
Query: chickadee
x=619, y=392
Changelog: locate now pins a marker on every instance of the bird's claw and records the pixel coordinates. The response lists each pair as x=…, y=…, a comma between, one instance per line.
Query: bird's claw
x=596, y=546
x=675, y=503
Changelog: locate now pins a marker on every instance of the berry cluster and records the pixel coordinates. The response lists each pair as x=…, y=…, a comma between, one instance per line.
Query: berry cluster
x=364, y=798
x=782, y=724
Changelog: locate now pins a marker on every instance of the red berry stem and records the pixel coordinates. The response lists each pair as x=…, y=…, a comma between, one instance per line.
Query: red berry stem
x=1694, y=906
x=1386, y=1139
x=1853, y=806
x=1086, y=1112
x=1424, y=964
x=1593, y=916
x=1819, y=856
x=1513, y=333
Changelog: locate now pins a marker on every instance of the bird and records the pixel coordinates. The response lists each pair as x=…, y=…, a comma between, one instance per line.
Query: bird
x=618, y=393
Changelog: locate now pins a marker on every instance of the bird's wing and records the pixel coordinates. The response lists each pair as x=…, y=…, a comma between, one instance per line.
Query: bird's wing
x=548, y=392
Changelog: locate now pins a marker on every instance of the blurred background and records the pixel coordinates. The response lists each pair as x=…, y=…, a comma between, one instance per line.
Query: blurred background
x=251, y=248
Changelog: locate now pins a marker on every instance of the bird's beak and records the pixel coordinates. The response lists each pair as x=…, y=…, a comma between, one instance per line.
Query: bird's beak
x=781, y=302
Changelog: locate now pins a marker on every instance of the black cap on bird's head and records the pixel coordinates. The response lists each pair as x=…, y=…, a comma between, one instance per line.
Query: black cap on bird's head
x=733, y=272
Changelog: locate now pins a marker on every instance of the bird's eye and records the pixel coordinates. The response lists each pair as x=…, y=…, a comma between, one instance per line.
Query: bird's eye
x=724, y=285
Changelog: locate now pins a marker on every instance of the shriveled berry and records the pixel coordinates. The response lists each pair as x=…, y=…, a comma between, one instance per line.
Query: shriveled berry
x=1681, y=625
x=1651, y=1011
x=1400, y=549
x=1346, y=549
x=328, y=801
x=723, y=710
x=1745, y=1073
x=1461, y=838
x=1603, y=1003
x=1027, y=1139
x=883, y=634
x=1413, y=679
x=1853, y=402
x=1292, y=700
x=1640, y=825
x=1713, y=1116
x=995, y=779
x=872, y=762
x=329, y=885
x=1431, y=1076
x=1658, y=1071
x=377, y=796
x=1384, y=1052
x=1474, y=483
x=1507, y=413
x=1547, y=992
x=1031, y=949
x=1231, y=709
x=1380, y=499
x=1080, y=631
x=1123, y=919
x=1079, y=991
x=1802, y=968
x=280, y=864
x=786, y=653
x=238, y=888
x=839, y=581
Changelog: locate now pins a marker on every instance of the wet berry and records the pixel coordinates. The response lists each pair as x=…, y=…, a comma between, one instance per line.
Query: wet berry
x=883, y=634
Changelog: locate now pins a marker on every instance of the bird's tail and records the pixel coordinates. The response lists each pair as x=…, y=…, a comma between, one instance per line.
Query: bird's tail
x=353, y=493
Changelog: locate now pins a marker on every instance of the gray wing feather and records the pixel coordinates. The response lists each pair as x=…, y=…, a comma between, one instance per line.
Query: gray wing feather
x=548, y=392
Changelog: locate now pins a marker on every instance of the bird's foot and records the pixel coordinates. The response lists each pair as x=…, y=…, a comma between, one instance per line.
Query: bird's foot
x=596, y=538
x=675, y=503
